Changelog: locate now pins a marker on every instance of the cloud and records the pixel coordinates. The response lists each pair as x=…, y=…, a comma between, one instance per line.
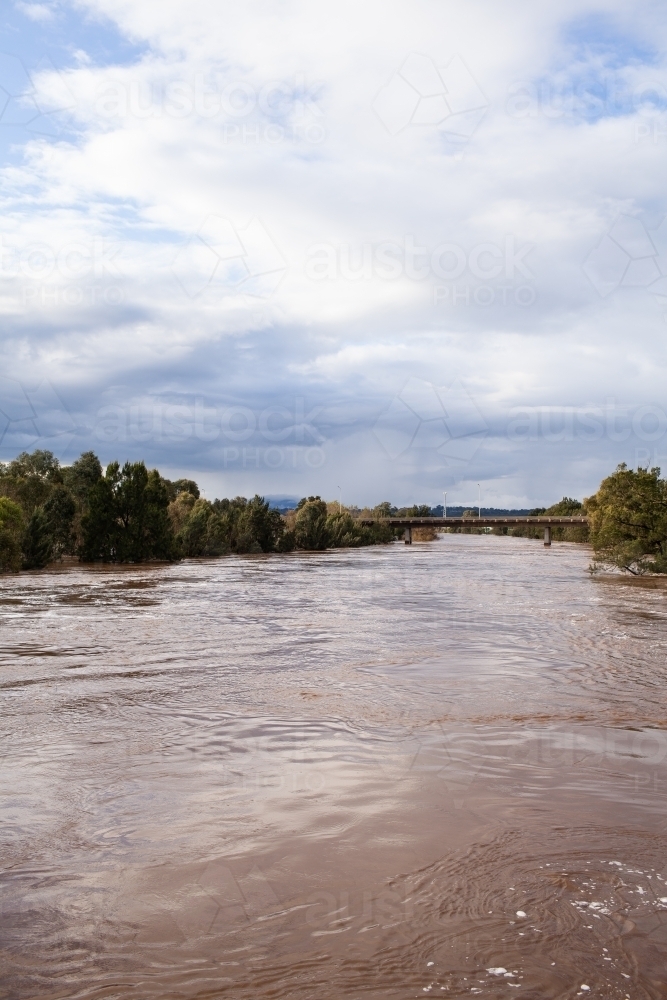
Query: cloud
x=39, y=12
x=228, y=217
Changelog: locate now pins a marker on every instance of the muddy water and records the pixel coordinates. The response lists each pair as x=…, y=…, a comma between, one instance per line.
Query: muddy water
x=392, y=772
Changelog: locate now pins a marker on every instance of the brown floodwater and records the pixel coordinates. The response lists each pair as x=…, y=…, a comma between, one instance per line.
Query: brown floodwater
x=436, y=770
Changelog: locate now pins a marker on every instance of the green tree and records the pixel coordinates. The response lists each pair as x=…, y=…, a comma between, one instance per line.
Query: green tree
x=202, y=531
x=37, y=542
x=286, y=542
x=567, y=507
x=180, y=510
x=228, y=514
x=179, y=486
x=59, y=511
x=310, y=528
x=157, y=537
x=259, y=527
x=216, y=539
x=29, y=479
x=99, y=524
x=378, y=534
x=419, y=510
x=248, y=526
x=342, y=532
x=628, y=521
x=81, y=476
x=470, y=515
x=41, y=464
x=127, y=518
x=11, y=531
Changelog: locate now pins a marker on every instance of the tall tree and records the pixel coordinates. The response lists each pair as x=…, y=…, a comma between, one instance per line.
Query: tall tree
x=158, y=536
x=99, y=525
x=628, y=521
x=11, y=531
x=180, y=486
x=127, y=518
x=29, y=479
x=203, y=531
x=342, y=533
x=419, y=510
x=567, y=507
x=37, y=542
x=310, y=527
x=59, y=511
x=81, y=476
x=259, y=526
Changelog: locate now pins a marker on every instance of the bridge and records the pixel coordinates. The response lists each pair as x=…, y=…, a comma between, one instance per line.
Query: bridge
x=408, y=523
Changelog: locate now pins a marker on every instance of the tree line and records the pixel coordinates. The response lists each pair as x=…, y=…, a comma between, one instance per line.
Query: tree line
x=567, y=507
x=627, y=522
x=132, y=514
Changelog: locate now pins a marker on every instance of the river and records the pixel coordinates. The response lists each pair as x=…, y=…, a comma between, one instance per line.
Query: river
x=402, y=771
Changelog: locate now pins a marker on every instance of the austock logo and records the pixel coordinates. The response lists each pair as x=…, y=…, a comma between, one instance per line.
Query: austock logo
x=492, y=273
x=630, y=256
x=278, y=436
x=244, y=112
x=614, y=422
x=224, y=260
x=221, y=901
x=438, y=423
x=77, y=273
x=22, y=106
x=33, y=417
x=218, y=899
x=420, y=93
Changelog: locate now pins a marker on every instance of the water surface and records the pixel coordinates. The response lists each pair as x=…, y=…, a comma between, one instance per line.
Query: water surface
x=387, y=772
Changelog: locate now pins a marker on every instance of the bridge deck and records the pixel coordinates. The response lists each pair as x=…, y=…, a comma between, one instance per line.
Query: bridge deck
x=476, y=522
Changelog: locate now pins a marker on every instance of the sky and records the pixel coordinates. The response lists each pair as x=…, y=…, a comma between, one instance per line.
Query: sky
x=375, y=252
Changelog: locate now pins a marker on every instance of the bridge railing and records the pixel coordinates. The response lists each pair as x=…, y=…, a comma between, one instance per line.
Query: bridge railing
x=542, y=521
x=474, y=522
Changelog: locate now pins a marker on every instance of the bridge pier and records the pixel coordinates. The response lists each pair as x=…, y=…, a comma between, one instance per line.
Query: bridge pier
x=407, y=536
x=547, y=535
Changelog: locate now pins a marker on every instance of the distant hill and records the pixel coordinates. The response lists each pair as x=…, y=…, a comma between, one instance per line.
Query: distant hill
x=282, y=502
x=486, y=511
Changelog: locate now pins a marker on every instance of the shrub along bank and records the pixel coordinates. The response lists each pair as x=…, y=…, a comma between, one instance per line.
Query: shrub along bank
x=131, y=514
x=567, y=507
x=628, y=522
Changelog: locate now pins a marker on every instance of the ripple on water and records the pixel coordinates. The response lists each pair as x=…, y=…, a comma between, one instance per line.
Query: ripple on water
x=396, y=772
